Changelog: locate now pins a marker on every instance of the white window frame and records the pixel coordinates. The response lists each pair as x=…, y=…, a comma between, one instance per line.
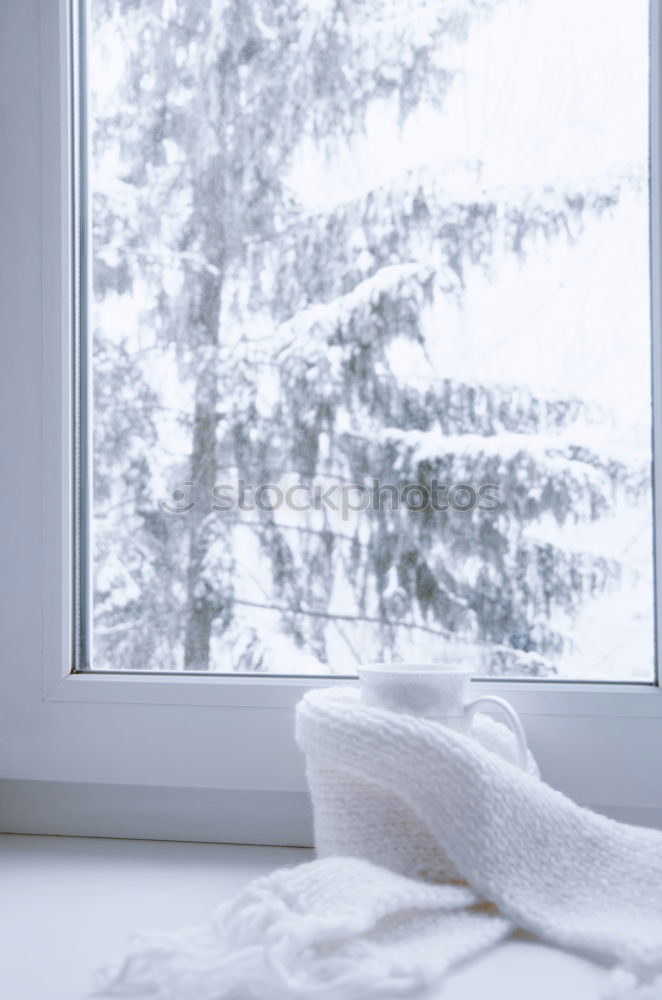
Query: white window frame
x=177, y=756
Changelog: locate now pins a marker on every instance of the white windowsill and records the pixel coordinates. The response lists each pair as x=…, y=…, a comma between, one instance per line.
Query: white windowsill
x=102, y=890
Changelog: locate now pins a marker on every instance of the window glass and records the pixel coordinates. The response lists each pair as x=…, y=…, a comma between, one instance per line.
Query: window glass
x=370, y=335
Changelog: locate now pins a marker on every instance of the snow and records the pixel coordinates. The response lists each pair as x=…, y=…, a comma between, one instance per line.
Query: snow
x=549, y=101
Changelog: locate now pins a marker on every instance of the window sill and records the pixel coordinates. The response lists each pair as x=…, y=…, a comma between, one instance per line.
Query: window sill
x=171, y=885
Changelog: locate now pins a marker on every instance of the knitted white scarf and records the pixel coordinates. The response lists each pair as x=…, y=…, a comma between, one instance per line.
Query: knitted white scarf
x=433, y=846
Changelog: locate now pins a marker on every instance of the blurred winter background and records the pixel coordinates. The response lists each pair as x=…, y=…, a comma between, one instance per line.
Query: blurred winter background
x=338, y=240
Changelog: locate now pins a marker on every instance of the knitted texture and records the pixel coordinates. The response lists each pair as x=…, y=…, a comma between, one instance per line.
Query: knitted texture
x=571, y=876
x=373, y=820
x=433, y=845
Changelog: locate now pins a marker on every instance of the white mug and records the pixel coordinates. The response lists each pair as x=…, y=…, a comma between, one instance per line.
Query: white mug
x=438, y=691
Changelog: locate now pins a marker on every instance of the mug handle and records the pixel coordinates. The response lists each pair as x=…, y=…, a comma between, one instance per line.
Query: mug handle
x=512, y=718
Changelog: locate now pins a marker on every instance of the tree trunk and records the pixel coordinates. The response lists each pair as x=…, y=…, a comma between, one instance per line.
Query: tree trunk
x=202, y=600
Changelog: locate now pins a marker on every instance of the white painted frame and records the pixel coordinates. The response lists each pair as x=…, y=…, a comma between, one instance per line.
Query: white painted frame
x=189, y=757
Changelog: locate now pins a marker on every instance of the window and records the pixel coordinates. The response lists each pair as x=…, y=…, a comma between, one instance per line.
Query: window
x=369, y=335
x=209, y=755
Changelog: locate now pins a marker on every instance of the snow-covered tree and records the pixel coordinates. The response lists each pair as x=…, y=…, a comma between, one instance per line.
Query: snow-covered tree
x=265, y=331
